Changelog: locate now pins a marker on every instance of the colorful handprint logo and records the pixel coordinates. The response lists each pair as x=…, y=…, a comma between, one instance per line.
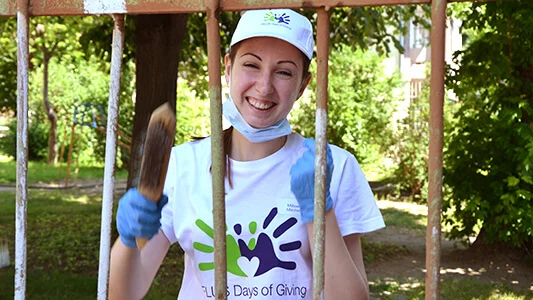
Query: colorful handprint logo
x=257, y=256
x=272, y=17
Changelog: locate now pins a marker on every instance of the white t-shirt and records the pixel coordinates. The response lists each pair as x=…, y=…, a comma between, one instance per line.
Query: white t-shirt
x=268, y=250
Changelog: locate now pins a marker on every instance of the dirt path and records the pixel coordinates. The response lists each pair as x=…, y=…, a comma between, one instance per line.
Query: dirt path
x=87, y=185
x=456, y=261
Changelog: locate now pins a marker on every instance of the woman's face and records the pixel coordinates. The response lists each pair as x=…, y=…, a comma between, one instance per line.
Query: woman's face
x=265, y=79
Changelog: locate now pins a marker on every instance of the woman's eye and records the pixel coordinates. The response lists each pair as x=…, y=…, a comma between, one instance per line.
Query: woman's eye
x=249, y=65
x=285, y=73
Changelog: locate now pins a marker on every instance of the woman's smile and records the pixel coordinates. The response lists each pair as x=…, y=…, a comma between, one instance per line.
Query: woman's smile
x=259, y=104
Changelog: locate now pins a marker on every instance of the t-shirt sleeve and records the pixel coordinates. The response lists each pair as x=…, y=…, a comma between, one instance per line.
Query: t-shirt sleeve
x=354, y=203
x=167, y=224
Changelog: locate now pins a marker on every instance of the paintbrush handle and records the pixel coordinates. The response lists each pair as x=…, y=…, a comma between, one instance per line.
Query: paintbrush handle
x=156, y=154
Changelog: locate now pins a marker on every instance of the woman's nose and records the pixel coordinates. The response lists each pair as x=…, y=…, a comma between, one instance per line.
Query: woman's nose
x=264, y=85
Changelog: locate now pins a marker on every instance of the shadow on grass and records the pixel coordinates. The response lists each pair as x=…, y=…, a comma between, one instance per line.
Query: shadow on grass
x=63, y=230
x=463, y=288
x=50, y=285
x=401, y=218
x=63, y=244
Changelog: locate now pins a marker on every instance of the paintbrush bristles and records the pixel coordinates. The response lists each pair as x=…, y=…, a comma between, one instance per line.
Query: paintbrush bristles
x=156, y=154
x=157, y=147
x=164, y=115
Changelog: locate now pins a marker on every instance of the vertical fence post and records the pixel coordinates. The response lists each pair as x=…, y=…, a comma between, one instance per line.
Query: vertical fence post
x=433, y=234
x=217, y=148
x=110, y=155
x=23, y=24
x=321, y=126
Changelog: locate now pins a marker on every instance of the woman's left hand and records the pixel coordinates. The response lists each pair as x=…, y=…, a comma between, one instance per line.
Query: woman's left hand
x=303, y=180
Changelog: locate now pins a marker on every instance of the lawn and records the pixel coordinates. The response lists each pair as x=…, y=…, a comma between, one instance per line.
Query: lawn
x=40, y=172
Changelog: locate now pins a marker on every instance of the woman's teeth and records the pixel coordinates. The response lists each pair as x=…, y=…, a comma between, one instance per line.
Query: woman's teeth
x=260, y=105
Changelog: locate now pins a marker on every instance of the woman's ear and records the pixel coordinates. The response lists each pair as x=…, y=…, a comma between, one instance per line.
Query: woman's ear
x=305, y=83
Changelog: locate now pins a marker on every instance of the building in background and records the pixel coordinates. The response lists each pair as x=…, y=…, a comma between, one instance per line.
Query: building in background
x=413, y=64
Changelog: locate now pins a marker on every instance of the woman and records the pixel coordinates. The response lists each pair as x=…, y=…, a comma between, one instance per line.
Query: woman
x=269, y=188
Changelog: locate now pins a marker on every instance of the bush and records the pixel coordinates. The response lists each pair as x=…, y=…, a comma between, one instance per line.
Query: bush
x=410, y=151
x=362, y=99
x=489, y=161
x=37, y=140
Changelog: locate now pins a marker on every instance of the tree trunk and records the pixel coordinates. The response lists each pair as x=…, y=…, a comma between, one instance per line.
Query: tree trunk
x=50, y=114
x=158, y=40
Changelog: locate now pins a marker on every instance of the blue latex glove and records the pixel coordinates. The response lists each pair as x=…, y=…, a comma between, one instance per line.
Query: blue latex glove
x=138, y=216
x=303, y=180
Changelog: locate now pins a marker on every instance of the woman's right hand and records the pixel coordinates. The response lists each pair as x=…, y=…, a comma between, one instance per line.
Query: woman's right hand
x=138, y=216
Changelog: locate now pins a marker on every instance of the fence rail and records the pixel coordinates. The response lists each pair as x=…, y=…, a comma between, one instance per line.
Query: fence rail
x=93, y=7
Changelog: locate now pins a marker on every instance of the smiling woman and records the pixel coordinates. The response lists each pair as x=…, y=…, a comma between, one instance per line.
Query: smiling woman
x=270, y=186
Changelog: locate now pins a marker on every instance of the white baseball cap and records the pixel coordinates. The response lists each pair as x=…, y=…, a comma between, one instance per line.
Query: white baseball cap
x=284, y=24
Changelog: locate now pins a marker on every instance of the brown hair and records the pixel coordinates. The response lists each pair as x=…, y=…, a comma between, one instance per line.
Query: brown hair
x=226, y=141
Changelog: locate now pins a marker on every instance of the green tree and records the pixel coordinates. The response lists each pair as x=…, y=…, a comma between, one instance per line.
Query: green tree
x=362, y=99
x=489, y=160
x=52, y=37
x=8, y=65
x=76, y=76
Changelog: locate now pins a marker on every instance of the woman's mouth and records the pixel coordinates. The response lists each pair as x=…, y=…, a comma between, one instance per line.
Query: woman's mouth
x=261, y=105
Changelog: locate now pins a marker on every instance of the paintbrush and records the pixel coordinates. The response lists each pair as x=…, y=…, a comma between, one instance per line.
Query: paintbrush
x=157, y=147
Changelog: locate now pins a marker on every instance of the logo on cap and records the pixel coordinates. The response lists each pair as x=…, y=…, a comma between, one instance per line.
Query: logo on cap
x=272, y=17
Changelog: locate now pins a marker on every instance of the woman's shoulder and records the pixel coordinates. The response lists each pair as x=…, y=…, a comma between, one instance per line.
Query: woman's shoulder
x=199, y=147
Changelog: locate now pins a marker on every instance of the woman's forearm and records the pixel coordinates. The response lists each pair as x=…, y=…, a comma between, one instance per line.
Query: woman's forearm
x=342, y=278
x=132, y=271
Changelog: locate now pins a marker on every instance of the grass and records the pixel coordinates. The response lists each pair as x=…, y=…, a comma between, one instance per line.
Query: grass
x=40, y=172
x=404, y=219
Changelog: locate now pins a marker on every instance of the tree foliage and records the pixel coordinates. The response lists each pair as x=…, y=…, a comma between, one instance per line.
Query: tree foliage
x=362, y=99
x=410, y=151
x=489, y=160
x=74, y=85
x=8, y=64
x=76, y=77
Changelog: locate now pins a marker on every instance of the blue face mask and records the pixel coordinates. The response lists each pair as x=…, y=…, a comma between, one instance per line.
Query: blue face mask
x=254, y=135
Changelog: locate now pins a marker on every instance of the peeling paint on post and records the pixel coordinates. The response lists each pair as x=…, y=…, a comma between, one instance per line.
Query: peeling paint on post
x=104, y=6
x=110, y=154
x=7, y=7
x=433, y=233
x=56, y=7
x=22, y=148
x=321, y=127
x=166, y=5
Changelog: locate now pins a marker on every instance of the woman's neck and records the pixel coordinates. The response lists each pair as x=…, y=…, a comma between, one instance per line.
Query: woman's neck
x=244, y=150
